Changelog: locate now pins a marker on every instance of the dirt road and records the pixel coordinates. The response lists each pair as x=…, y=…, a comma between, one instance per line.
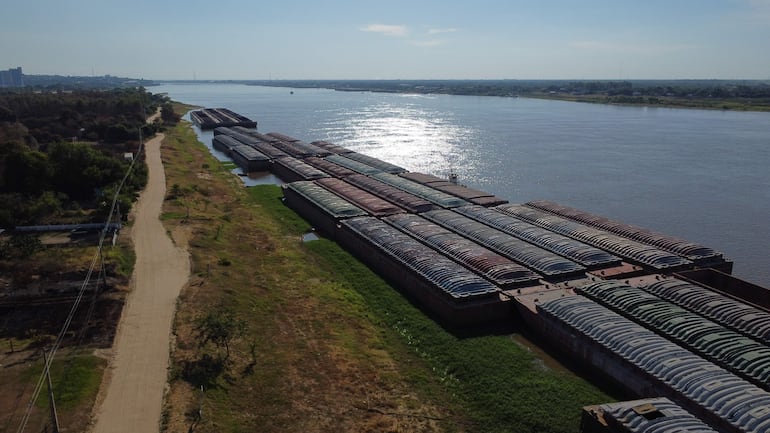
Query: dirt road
x=133, y=397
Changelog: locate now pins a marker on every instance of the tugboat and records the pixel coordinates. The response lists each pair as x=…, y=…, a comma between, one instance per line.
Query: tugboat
x=452, y=176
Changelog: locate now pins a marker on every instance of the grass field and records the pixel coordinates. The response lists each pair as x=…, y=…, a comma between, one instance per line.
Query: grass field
x=324, y=343
x=75, y=380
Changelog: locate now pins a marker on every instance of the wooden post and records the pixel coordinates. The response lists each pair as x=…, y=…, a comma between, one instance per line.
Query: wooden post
x=51, y=402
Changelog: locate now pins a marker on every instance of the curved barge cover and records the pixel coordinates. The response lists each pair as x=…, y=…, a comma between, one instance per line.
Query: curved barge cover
x=399, y=197
x=726, y=310
x=333, y=169
x=744, y=356
x=623, y=247
x=496, y=268
x=433, y=195
x=352, y=164
x=305, y=171
x=452, y=279
x=474, y=196
x=541, y=261
x=375, y=162
x=423, y=178
x=331, y=147
x=565, y=246
x=699, y=384
x=369, y=202
x=333, y=204
x=690, y=250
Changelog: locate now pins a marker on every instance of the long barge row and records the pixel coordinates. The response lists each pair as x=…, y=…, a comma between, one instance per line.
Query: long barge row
x=528, y=233
x=659, y=315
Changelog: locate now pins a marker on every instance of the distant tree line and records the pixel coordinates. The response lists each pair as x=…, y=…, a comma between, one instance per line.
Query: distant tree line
x=107, y=116
x=101, y=82
x=62, y=153
x=723, y=89
x=686, y=89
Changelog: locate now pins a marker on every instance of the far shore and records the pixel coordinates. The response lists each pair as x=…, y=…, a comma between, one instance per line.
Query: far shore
x=694, y=104
x=693, y=94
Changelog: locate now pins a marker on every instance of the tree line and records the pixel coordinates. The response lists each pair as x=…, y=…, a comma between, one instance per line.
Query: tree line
x=62, y=154
x=747, y=89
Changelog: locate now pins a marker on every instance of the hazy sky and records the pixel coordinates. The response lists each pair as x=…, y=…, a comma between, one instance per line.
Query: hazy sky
x=415, y=39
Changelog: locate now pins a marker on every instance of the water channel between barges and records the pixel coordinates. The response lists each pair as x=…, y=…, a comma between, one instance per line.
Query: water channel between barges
x=696, y=174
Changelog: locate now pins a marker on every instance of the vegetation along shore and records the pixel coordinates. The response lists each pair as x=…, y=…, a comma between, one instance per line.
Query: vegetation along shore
x=62, y=155
x=741, y=95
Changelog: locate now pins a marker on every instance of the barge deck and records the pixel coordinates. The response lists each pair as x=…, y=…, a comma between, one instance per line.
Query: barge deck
x=210, y=118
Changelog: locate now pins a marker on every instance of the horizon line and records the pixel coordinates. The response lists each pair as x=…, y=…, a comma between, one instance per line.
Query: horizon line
x=451, y=79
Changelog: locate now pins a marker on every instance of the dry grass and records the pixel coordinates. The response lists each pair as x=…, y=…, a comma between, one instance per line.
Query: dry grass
x=48, y=281
x=311, y=360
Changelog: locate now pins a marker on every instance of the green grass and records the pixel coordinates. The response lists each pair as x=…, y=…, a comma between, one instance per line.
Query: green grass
x=172, y=216
x=269, y=197
x=123, y=257
x=18, y=344
x=500, y=383
x=75, y=380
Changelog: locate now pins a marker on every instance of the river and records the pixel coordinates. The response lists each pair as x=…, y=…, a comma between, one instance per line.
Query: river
x=697, y=174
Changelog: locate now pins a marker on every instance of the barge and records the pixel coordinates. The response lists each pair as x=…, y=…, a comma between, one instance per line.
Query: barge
x=660, y=316
x=210, y=118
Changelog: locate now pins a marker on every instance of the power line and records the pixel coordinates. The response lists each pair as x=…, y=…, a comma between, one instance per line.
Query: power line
x=81, y=292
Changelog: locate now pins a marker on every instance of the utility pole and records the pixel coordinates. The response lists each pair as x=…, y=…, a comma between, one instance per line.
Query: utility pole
x=102, y=274
x=51, y=402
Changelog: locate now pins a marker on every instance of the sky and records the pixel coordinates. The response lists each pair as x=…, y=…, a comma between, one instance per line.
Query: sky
x=389, y=39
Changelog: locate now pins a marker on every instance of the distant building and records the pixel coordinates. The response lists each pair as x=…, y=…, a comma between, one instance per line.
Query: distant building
x=12, y=78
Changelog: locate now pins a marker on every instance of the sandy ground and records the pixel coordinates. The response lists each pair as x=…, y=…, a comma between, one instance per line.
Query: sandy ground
x=133, y=389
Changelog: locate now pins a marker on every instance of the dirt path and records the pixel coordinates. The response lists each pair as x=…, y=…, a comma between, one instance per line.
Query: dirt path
x=154, y=116
x=133, y=398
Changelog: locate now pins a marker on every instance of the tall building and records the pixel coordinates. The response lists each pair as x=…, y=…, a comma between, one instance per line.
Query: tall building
x=12, y=78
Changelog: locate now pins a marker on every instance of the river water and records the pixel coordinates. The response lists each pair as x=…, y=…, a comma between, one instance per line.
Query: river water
x=697, y=174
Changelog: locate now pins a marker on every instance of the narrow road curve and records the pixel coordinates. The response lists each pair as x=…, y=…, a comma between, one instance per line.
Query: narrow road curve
x=133, y=398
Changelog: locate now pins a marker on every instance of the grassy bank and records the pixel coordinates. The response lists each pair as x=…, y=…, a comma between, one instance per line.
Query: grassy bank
x=319, y=342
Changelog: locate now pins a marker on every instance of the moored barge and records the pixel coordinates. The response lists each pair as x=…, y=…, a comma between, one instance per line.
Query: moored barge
x=658, y=315
x=210, y=118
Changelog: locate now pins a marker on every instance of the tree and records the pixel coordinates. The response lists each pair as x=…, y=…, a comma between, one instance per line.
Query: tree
x=168, y=115
x=28, y=172
x=219, y=327
x=24, y=245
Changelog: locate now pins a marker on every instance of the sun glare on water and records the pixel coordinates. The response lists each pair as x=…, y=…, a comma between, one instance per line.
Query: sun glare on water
x=409, y=136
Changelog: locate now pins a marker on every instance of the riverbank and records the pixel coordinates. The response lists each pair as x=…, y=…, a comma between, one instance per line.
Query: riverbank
x=735, y=104
x=739, y=95
x=320, y=342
